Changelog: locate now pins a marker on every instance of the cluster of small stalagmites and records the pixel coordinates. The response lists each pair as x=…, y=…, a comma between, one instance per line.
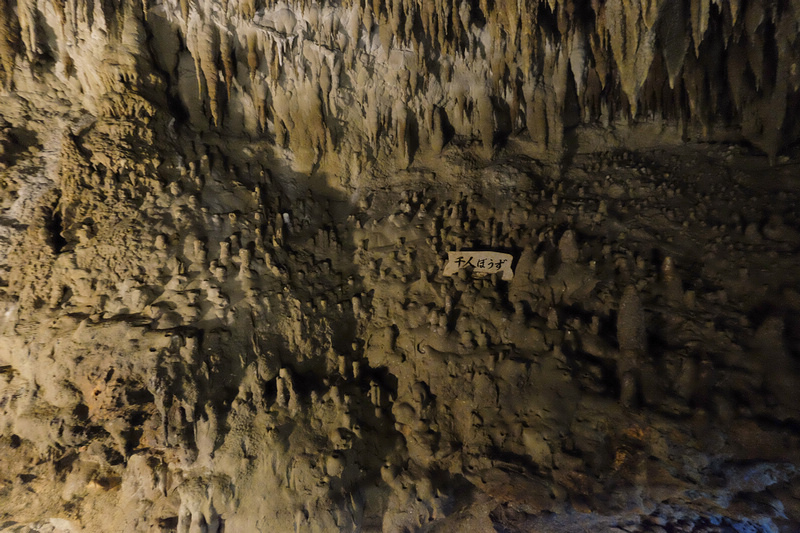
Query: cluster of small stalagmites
x=253, y=314
x=469, y=354
x=500, y=336
x=101, y=259
x=170, y=246
x=395, y=77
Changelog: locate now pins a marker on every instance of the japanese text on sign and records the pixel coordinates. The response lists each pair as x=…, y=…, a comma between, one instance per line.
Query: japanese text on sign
x=480, y=263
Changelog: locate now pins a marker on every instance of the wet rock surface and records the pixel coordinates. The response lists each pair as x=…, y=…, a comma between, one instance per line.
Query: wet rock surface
x=223, y=235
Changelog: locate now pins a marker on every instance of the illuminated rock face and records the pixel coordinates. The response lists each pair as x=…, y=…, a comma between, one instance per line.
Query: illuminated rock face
x=224, y=231
x=398, y=77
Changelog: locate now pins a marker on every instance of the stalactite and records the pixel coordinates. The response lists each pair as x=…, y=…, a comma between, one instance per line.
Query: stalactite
x=26, y=15
x=385, y=34
x=247, y=9
x=602, y=67
x=59, y=9
x=395, y=21
x=698, y=17
x=368, y=22
x=674, y=37
x=347, y=103
x=260, y=100
x=633, y=46
x=650, y=10
x=325, y=83
x=436, y=49
x=252, y=55
x=275, y=64
x=228, y=65
x=9, y=43
x=497, y=68
x=206, y=42
x=578, y=62
x=734, y=6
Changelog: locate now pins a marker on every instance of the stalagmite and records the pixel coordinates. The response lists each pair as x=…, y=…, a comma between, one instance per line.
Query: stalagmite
x=447, y=265
x=632, y=338
x=437, y=139
x=536, y=113
x=400, y=115
x=485, y=122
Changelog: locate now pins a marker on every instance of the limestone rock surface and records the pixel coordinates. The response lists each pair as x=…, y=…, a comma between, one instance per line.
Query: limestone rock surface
x=223, y=233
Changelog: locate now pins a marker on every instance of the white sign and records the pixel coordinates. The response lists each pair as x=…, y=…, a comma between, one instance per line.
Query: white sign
x=480, y=263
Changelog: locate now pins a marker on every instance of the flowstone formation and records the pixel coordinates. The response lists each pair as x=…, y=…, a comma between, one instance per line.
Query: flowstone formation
x=230, y=298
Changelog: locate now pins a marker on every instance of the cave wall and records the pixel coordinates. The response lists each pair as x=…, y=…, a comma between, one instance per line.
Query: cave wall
x=223, y=233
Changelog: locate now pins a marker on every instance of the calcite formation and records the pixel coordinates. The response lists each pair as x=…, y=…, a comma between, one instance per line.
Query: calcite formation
x=363, y=79
x=224, y=229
